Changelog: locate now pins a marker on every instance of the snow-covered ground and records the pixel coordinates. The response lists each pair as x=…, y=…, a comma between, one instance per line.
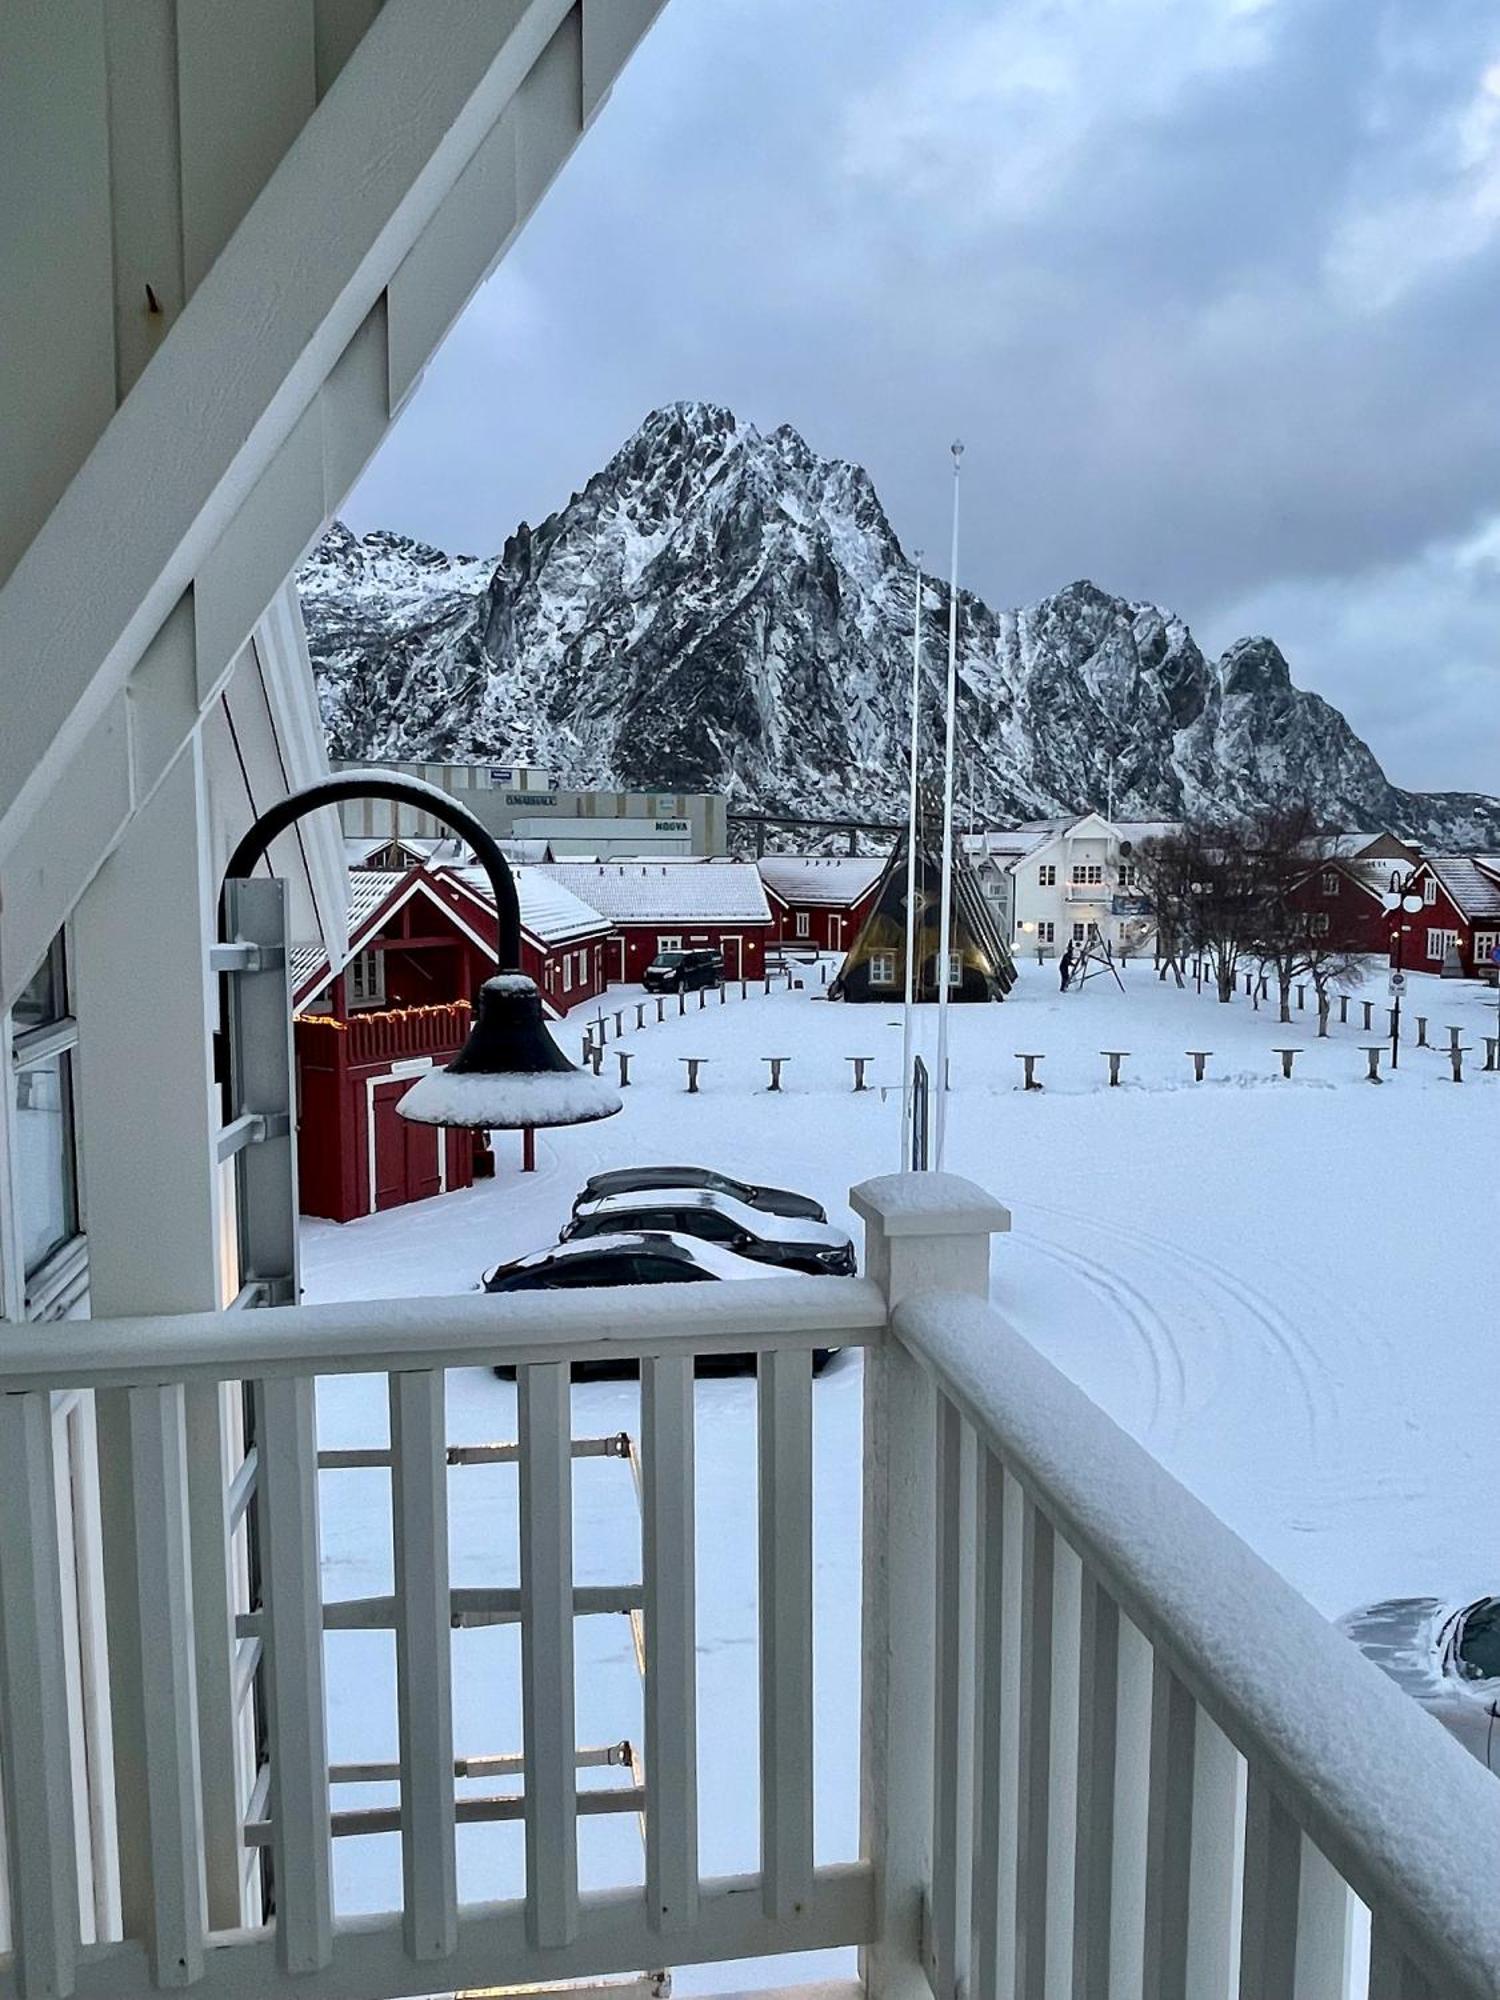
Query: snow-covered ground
x=1282, y=1289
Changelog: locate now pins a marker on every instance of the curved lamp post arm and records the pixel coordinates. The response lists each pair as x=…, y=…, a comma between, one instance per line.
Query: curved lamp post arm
x=405, y=791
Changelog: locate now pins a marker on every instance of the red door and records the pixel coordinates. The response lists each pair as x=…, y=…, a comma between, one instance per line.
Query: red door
x=730, y=947
x=406, y=1155
x=619, y=950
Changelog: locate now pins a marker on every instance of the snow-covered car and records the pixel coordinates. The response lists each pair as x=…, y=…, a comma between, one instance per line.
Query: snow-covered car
x=634, y=1257
x=1445, y=1655
x=642, y=1180
x=789, y=1243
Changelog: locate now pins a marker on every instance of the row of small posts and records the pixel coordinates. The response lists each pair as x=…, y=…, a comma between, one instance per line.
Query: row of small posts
x=694, y=1066
x=1114, y=1058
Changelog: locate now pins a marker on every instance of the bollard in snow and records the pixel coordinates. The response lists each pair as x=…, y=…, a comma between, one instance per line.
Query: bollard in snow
x=1114, y=1057
x=640, y=1013
x=1200, y=1057
x=702, y=998
x=1028, y=1070
x=1453, y=1038
x=743, y=994
x=1288, y=1057
x=619, y=1022
x=1369, y=1021
x=681, y=1002
x=768, y=985
x=694, y=1064
x=660, y=1007
x=622, y=1057
x=1301, y=998
x=1373, y=1053
x=822, y=973
x=1456, y=1056
x=1422, y=1041
x=601, y=1031
x=723, y=992
x=860, y=1064
x=596, y=1057
x=1343, y=1010
x=1492, y=1051
x=775, y=1062
x=588, y=1043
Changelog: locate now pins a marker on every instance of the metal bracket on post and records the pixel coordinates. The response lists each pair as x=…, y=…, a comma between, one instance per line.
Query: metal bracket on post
x=260, y=1135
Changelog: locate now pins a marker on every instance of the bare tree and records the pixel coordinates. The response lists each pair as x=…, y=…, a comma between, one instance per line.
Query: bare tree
x=1286, y=846
x=1202, y=882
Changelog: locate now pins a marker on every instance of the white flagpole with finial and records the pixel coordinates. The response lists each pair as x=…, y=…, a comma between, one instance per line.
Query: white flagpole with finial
x=945, y=919
x=911, y=870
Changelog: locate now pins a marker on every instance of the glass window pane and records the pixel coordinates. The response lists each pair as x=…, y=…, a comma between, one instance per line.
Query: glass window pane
x=46, y=1186
x=46, y=998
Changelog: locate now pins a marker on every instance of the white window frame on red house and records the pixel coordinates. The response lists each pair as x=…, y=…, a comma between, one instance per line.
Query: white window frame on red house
x=1429, y=891
x=1319, y=925
x=671, y=941
x=1484, y=943
x=1330, y=882
x=804, y=922
x=366, y=986
x=567, y=966
x=583, y=968
x=1438, y=943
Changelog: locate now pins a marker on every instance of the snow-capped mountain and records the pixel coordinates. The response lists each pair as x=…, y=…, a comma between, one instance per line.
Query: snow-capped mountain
x=721, y=609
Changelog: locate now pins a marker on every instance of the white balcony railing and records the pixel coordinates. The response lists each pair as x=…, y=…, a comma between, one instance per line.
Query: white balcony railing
x=1104, y=1749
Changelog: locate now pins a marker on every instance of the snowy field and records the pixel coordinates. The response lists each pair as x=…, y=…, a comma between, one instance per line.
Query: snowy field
x=1281, y=1289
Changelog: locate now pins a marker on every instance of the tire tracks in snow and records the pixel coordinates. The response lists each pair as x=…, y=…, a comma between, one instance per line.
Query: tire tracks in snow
x=1307, y=1371
x=1168, y=1378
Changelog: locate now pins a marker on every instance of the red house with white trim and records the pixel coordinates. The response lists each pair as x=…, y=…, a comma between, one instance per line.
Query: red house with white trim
x=1342, y=902
x=1460, y=908
x=678, y=904
x=820, y=900
x=421, y=943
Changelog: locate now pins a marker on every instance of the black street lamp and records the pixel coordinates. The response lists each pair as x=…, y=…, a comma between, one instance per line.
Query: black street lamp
x=509, y=1074
x=1404, y=902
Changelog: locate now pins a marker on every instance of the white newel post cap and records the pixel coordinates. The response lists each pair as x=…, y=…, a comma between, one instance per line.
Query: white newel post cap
x=928, y=1232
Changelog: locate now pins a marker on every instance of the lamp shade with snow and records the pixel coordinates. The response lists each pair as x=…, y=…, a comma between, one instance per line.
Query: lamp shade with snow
x=509, y=1073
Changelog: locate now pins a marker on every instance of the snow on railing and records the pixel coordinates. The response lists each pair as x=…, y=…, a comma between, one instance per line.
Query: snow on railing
x=1105, y=1750
x=1183, y=1774
x=434, y=1942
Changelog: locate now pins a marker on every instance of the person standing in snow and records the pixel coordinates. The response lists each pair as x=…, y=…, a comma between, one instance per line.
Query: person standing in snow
x=1066, y=967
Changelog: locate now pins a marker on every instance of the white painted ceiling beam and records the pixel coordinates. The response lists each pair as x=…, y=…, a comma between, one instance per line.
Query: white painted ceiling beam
x=250, y=350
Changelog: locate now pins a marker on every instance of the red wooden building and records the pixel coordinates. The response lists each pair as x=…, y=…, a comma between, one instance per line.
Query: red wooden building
x=1460, y=910
x=681, y=904
x=820, y=900
x=1343, y=906
x=420, y=945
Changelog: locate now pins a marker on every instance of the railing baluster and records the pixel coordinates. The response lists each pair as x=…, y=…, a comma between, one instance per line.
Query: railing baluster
x=1035, y=1759
x=547, y=1710
x=1169, y=1834
x=1392, y=1974
x=1213, y=1964
x=1098, y=1730
x=287, y=1500
x=786, y=1641
x=1325, y=1914
x=948, y=1669
x=991, y=1794
x=34, y=1707
x=424, y=1667
x=1273, y=1876
x=671, y=1696
x=174, y=1807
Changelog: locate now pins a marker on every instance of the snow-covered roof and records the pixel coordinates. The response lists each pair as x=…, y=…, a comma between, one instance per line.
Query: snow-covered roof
x=835, y=880
x=1472, y=882
x=675, y=891
x=550, y=912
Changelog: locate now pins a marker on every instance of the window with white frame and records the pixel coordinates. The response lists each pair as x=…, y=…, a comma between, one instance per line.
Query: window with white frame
x=1484, y=944
x=1319, y=925
x=1330, y=882
x=803, y=920
x=1126, y=874
x=955, y=969
x=1079, y=932
x=1440, y=943
x=567, y=966
x=583, y=968
x=672, y=943
x=44, y=1037
x=1088, y=872
x=882, y=968
x=1429, y=890
x=1046, y=932
x=1046, y=875
x=367, y=979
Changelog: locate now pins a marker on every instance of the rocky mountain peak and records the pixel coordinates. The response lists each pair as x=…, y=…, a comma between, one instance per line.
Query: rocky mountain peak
x=723, y=608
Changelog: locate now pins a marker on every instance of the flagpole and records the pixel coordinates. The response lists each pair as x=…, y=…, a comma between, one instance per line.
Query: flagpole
x=945, y=920
x=911, y=872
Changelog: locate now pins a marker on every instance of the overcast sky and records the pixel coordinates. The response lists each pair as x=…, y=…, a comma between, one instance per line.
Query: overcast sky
x=1210, y=289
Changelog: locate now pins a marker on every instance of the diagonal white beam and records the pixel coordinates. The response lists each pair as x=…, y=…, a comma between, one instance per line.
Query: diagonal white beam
x=251, y=349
